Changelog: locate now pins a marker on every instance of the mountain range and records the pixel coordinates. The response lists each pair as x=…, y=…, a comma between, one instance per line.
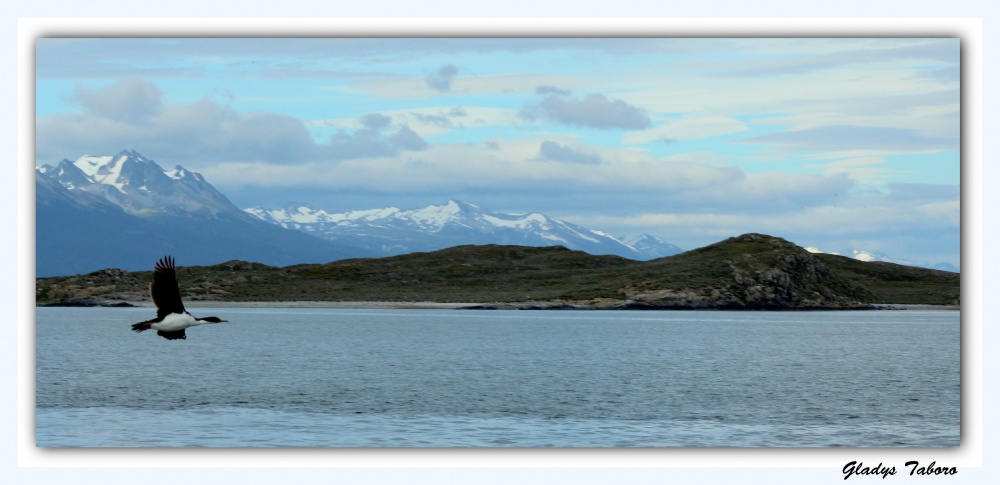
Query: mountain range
x=125, y=211
x=391, y=231
x=869, y=256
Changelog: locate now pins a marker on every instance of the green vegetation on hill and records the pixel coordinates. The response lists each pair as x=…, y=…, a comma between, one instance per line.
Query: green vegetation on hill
x=752, y=271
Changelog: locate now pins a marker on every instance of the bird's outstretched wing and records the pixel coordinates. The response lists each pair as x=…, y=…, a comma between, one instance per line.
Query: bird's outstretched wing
x=163, y=289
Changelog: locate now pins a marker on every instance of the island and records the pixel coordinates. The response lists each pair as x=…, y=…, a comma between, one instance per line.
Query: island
x=747, y=272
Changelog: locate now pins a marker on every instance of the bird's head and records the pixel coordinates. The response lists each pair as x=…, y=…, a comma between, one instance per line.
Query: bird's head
x=212, y=320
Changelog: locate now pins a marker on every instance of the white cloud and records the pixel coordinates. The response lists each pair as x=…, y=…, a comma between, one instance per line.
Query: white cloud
x=634, y=178
x=433, y=121
x=131, y=100
x=852, y=137
x=208, y=132
x=861, y=169
x=946, y=212
x=691, y=127
x=832, y=227
x=891, y=96
x=401, y=86
x=931, y=115
x=561, y=153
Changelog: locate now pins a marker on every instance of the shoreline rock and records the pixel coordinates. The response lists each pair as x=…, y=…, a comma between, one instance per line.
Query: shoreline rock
x=534, y=305
x=88, y=302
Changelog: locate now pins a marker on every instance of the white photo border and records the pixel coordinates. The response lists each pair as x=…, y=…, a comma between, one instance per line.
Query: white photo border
x=969, y=454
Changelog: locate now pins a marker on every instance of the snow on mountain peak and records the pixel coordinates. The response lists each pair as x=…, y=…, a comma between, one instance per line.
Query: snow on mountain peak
x=857, y=254
x=103, y=170
x=394, y=231
x=91, y=164
x=650, y=245
x=878, y=256
x=177, y=173
x=297, y=214
x=518, y=221
x=128, y=169
x=436, y=215
x=622, y=241
x=141, y=187
x=867, y=257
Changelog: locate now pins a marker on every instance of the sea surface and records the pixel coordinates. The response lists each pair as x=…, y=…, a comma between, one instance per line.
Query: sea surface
x=466, y=378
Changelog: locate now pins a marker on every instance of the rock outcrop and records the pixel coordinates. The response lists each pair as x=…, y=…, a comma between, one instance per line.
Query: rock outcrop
x=765, y=273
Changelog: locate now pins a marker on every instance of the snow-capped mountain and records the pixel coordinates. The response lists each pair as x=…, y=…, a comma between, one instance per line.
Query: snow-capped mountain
x=141, y=187
x=862, y=255
x=125, y=211
x=392, y=231
x=652, y=247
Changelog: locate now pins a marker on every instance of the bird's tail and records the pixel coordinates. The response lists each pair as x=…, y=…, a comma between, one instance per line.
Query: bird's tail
x=139, y=327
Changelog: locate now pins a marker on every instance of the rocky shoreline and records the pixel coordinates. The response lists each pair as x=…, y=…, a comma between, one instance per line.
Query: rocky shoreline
x=427, y=305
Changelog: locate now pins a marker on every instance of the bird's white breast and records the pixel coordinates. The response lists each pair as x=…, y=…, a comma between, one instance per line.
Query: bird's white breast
x=175, y=321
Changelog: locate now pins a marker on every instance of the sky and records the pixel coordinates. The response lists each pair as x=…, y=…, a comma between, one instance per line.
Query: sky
x=831, y=143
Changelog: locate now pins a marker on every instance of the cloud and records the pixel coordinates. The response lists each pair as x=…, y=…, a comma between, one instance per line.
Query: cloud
x=551, y=150
x=840, y=109
x=439, y=120
x=432, y=121
x=689, y=203
x=831, y=224
x=852, y=138
x=546, y=89
x=935, y=52
x=407, y=139
x=949, y=212
x=692, y=127
x=373, y=140
x=937, y=102
x=613, y=181
x=933, y=113
x=204, y=131
x=591, y=111
x=130, y=100
x=862, y=169
x=922, y=193
x=375, y=121
x=442, y=79
x=385, y=85
x=131, y=114
x=315, y=54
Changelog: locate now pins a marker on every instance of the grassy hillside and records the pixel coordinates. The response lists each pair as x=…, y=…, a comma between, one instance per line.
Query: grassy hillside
x=751, y=271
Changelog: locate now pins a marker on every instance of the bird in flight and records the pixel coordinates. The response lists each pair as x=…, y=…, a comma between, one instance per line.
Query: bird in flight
x=171, y=318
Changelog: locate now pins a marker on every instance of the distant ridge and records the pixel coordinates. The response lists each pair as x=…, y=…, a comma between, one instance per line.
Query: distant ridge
x=748, y=272
x=391, y=231
x=872, y=256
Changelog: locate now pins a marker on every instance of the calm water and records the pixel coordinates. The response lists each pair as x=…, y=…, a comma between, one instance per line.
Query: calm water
x=453, y=378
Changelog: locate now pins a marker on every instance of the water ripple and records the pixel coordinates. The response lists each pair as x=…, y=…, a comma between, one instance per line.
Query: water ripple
x=336, y=378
